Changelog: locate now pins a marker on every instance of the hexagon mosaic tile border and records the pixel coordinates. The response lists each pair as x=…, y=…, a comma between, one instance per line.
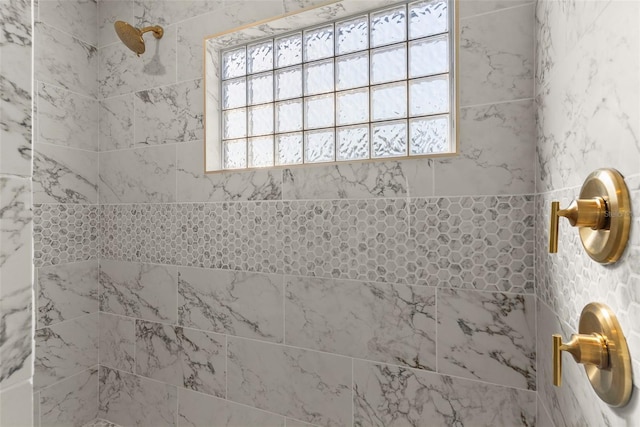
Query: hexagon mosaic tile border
x=436, y=242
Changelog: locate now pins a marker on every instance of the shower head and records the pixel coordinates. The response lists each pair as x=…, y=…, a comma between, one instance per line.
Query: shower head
x=132, y=36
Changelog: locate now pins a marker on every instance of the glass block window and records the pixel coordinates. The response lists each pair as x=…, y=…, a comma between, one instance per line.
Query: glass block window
x=374, y=86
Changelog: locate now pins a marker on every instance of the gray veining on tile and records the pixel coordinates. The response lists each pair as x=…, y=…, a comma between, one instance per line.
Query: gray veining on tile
x=72, y=402
x=110, y=11
x=116, y=120
x=66, y=291
x=65, y=349
x=78, y=17
x=151, y=12
x=236, y=303
x=182, y=357
x=144, y=291
x=65, y=175
x=117, y=342
x=487, y=336
x=199, y=410
x=169, y=114
x=382, y=322
x=128, y=399
x=303, y=384
x=389, y=395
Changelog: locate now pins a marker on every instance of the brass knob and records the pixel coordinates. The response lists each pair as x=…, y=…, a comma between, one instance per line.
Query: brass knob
x=586, y=349
x=590, y=213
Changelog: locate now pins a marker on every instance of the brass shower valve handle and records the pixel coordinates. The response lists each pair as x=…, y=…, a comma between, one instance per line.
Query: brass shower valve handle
x=586, y=349
x=590, y=213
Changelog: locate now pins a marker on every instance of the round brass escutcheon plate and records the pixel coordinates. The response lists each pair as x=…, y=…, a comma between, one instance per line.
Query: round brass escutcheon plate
x=614, y=383
x=606, y=245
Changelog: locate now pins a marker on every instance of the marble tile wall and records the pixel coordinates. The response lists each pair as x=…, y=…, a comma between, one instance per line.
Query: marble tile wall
x=16, y=225
x=586, y=120
x=300, y=296
x=65, y=196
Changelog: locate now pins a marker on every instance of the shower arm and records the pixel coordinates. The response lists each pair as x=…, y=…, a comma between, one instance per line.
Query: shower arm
x=156, y=29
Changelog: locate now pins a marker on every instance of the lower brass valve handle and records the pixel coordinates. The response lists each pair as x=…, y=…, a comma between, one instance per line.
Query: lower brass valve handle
x=585, y=349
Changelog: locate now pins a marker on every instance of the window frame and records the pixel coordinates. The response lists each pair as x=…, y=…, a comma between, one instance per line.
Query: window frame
x=243, y=36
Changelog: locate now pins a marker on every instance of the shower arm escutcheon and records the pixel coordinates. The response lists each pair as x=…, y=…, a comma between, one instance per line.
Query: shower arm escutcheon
x=602, y=213
x=602, y=348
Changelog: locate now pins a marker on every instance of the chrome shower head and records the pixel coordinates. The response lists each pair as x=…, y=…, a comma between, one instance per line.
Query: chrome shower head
x=132, y=36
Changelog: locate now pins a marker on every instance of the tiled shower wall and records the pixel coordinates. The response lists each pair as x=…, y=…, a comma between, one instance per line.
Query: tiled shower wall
x=360, y=293
x=65, y=195
x=588, y=115
x=16, y=358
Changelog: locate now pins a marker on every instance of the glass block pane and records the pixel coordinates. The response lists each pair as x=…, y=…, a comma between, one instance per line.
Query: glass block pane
x=352, y=35
x=234, y=123
x=352, y=71
x=289, y=149
x=234, y=63
x=289, y=116
x=260, y=151
x=319, y=146
x=389, y=139
x=318, y=77
x=389, y=64
x=318, y=43
x=427, y=18
x=234, y=93
x=388, y=26
x=353, y=142
x=260, y=57
x=235, y=153
x=389, y=101
x=353, y=106
x=260, y=88
x=289, y=83
x=429, y=56
x=319, y=111
x=429, y=135
x=289, y=50
x=261, y=120
x=429, y=96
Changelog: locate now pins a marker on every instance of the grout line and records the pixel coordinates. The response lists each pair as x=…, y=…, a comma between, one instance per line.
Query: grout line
x=40, y=22
x=95, y=366
x=489, y=104
x=65, y=321
x=531, y=2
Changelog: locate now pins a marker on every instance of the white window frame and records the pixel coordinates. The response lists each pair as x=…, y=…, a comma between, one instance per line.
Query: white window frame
x=307, y=19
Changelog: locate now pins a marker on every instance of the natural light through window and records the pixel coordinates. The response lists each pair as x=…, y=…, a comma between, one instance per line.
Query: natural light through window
x=372, y=86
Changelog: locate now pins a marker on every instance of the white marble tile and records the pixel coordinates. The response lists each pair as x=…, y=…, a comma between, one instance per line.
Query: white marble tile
x=390, y=395
x=15, y=276
x=199, y=410
x=72, y=402
x=290, y=422
x=65, y=175
x=575, y=402
x=116, y=121
x=469, y=8
x=543, y=419
x=121, y=71
x=117, y=342
x=348, y=181
x=382, y=322
x=497, y=152
x=169, y=114
x=307, y=385
x=16, y=406
x=141, y=175
x=66, y=118
x=183, y=357
x=496, y=56
x=128, y=399
x=191, y=33
x=152, y=12
x=66, y=291
x=487, y=336
x=110, y=11
x=77, y=17
x=586, y=119
x=65, y=349
x=65, y=61
x=144, y=291
x=297, y=5
x=194, y=185
x=36, y=407
x=16, y=80
x=236, y=303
